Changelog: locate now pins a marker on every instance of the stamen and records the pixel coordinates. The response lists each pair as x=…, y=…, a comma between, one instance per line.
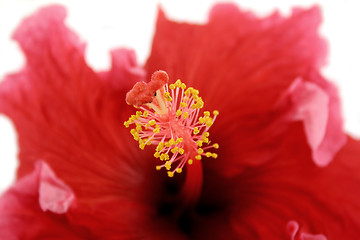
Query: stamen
x=170, y=117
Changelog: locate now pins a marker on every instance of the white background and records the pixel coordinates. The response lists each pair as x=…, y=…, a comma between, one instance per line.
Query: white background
x=107, y=24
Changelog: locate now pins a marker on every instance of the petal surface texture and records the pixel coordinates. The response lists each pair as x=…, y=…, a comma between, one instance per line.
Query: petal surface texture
x=242, y=65
x=34, y=207
x=71, y=116
x=285, y=169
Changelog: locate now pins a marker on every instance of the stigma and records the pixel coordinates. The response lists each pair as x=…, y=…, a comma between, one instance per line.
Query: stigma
x=171, y=118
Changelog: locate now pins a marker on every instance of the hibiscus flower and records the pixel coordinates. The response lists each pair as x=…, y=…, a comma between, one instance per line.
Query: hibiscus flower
x=284, y=169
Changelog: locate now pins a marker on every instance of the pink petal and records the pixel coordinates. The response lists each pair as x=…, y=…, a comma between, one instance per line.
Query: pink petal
x=293, y=231
x=125, y=71
x=54, y=194
x=318, y=110
x=312, y=107
x=22, y=213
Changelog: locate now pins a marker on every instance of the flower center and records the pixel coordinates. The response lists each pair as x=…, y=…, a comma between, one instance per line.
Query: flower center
x=170, y=117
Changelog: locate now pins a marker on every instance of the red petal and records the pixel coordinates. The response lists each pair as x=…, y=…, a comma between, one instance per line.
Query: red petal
x=124, y=72
x=242, y=65
x=320, y=112
x=69, y=115
x=292, y=188
x=73, y=118
x=23, y=208
x=54, y=195
x=293, y=231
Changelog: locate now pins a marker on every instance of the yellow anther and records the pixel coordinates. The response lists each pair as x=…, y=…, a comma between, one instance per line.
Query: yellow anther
x=216, y=112
x=178, y=83
x=178, y=170
x=167, y=96
x=133, y=131
x=164, y=156
x=152, y=122
x=170, y=174
x=190, y=161
x=126, y=123
x=194, y=91
x=214, y=155
x=172, y=86
x=208, y=122
x=138, y=128
x=199, y=143
x=167, y=144
x=196, y=130
x=178, y=112
x=156, y=130
x=200, y=104
x=168, y=165
x=207, y=114
x=175, y=149
x=185, y=115
x=183, y=85
x=182, y=104
x=157, y=154
x=205, y=139
x=198, y=157
x=206, y=134
x=172, y=141
x=197, y=99
x=145, y=114
x=179, y=140
x=216, y=145
x=200, y=151
x=138, y=113
x=136, y=136
x=158, y=168
x=181, y=151
x=160, y=146
x=208, y=154
x=201, y=120
x=142, y=146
